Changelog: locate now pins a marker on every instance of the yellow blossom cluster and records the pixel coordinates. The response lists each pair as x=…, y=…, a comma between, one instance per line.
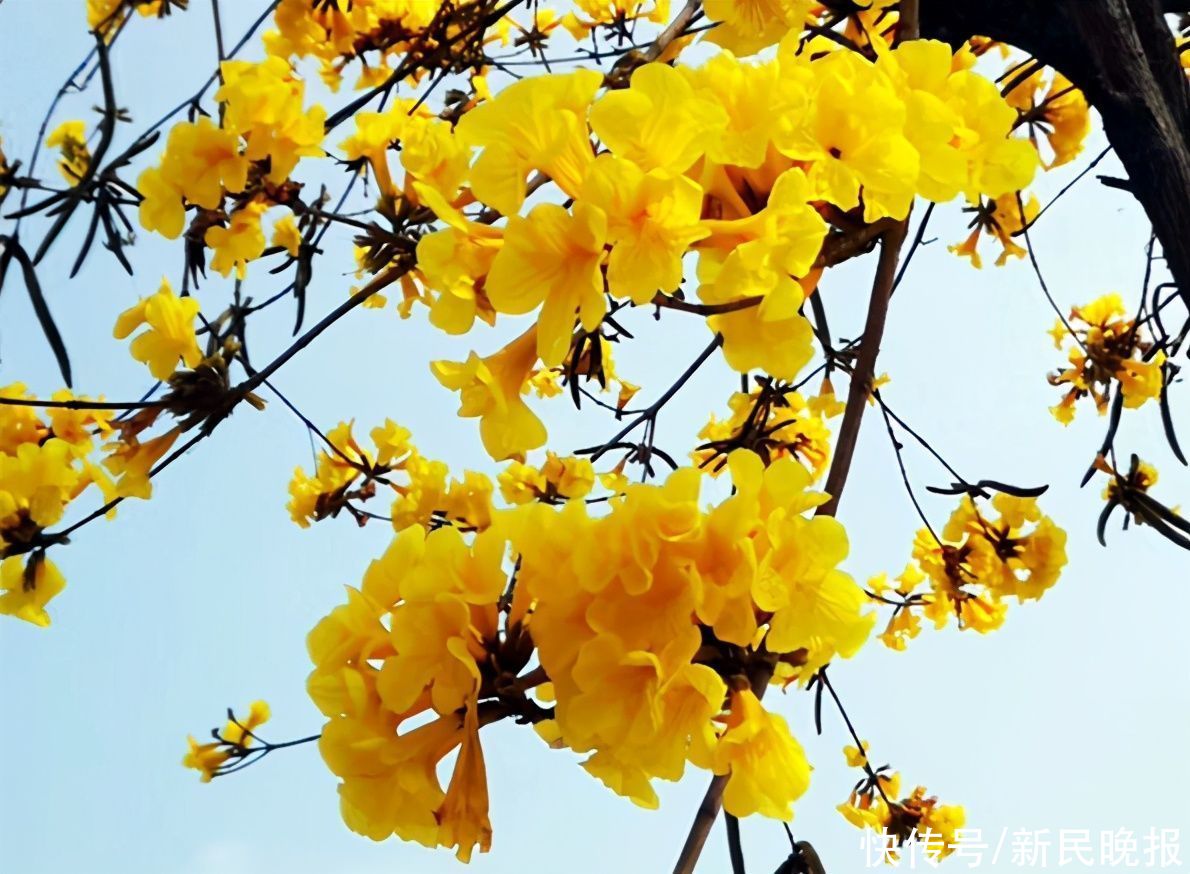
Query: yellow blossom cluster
x=656, y=627
x=1106, y=347
x=874, y=805
x=417, y=640
x=233, y=742
x=429, y=155
x=701, y=160
x=589, y=15
x=640, y=628
x=104, y=15
x=642, y=617
x=1000, y=218
x=337, y=33
x=556, y=481
x=1050, y=106
x=265, y=131
x=45, y=463
x=347, y=473
x=384, y=34
x=424, y=493
x=773, y=424
x=48, y=459
x=971, y=569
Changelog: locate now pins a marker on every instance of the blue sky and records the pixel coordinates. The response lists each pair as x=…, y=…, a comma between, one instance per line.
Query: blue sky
x=1070, y=717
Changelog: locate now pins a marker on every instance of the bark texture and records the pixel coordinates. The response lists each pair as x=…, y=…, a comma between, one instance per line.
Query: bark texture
x=1122, y=55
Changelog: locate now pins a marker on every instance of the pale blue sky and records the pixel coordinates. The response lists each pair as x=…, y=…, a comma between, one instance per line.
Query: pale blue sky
x=1072, y=716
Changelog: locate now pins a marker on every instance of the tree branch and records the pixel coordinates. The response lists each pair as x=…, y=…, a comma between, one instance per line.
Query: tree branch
x=865, y=365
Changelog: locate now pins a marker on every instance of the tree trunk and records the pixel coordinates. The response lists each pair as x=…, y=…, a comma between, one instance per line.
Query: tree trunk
x=1122, y=55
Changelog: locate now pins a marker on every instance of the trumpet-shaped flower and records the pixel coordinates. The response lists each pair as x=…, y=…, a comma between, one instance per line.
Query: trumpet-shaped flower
x=552, y=259
x=490, y=389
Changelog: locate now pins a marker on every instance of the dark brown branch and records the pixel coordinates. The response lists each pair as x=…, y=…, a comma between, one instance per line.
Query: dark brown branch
x=865, y=365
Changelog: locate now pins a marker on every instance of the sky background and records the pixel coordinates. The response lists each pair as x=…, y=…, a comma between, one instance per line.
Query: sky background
x=1073, y=716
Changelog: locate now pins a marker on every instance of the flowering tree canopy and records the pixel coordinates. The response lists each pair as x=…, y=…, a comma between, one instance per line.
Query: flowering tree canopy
x=539, y=174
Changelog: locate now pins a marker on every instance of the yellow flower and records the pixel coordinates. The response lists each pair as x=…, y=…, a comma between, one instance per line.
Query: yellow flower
x=934, y=825
x=133, y=461
x=448, y=591
x=825, y=403
x=238, y=243
x=558, y=479
x=777, y=427
x=235, y=738
x=161, y=208
x=551, y=258
x=71, y=141
x=537, y=123
x=490, y=389
x=1001, y=217
x=608, y=12
x=1061, y=115
x=263, y=104
x=101, y=14
x=454, y=264
x=433, y=156
x=25, y=590
x=659, y=122
x=375, y=133
x=766, y=767
x=652, y=218
x=959, y=124
x=982, y=560
x=856, y=756
x=788, y=231
x=759, y=104
x=78, y=427
x=902, y=627
x=747, y=26
x=438, y=596
x=770, y=335
x=1141, y=381
x=170, y=335
x=463, y=816
x=1108, y=346
x=201, y=161
x=853, y=132
x=814, y=606
x=36, y=483
x=287, y=236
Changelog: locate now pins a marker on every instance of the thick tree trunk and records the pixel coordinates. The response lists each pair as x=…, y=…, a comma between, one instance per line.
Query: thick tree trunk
x=1122, y=55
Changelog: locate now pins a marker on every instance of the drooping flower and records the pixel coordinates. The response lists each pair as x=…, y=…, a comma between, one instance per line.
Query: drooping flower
x=26, y=589
x=766, y=767
x=490, y=389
